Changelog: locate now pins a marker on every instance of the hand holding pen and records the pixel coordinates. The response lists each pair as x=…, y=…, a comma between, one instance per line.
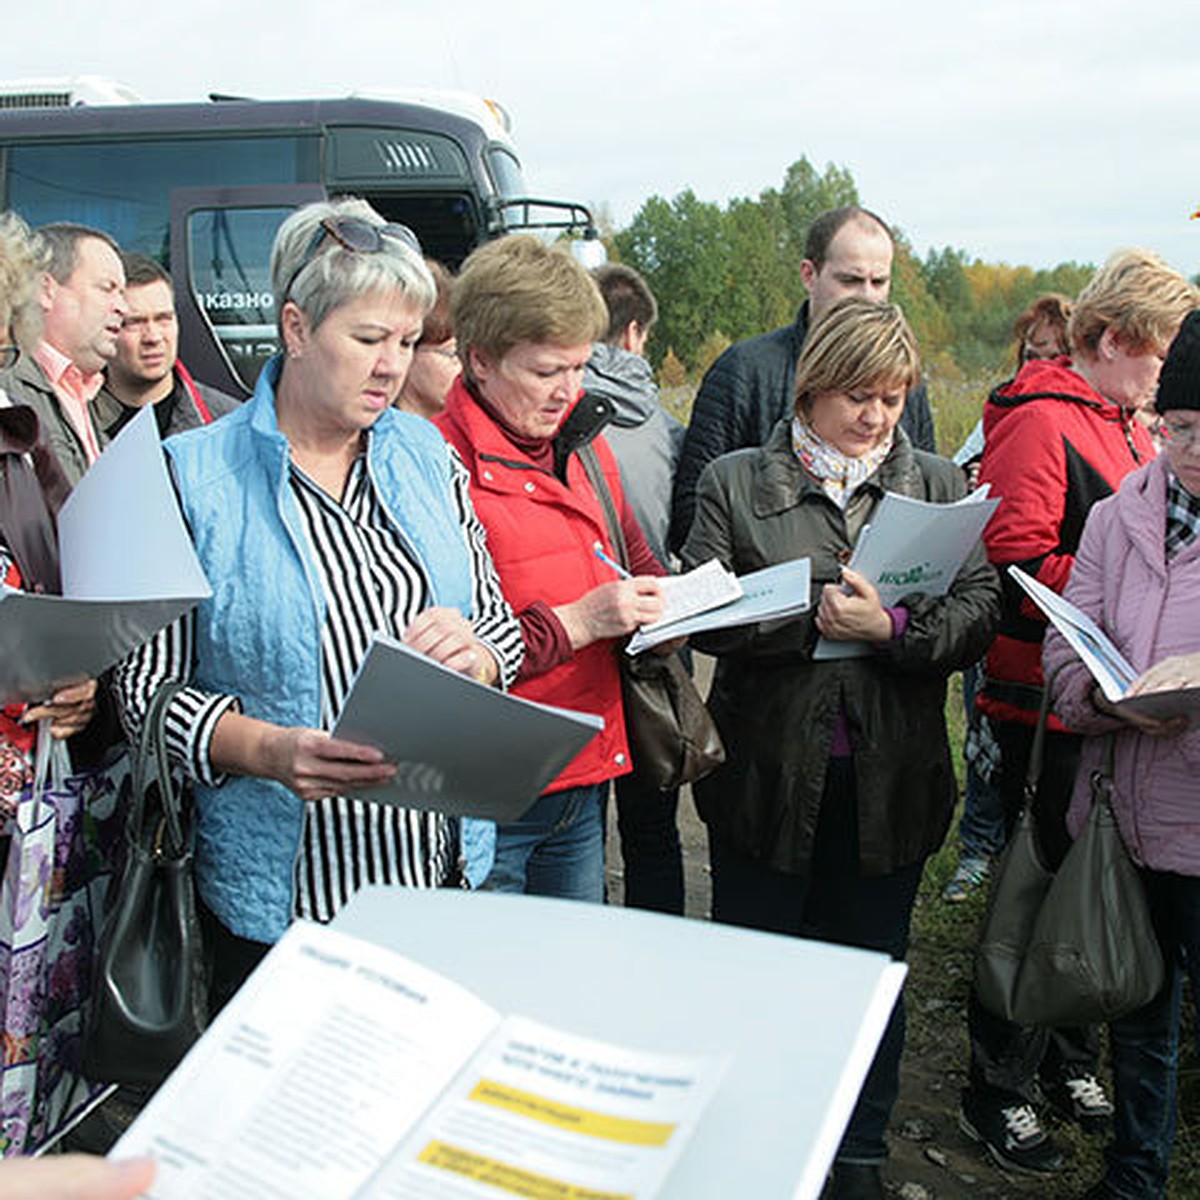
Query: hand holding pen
x=611, y=610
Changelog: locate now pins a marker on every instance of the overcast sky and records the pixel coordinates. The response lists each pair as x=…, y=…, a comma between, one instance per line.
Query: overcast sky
x=1025, y=131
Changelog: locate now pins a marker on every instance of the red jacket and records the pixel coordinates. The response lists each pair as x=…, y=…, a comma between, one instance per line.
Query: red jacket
x=1053, y=447
x=542, y=536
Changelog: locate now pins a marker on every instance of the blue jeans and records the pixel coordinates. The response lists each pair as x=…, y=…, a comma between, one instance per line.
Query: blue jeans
x=833, y=902
x=981, y=826
x=555, y=849
x=1145, y=1048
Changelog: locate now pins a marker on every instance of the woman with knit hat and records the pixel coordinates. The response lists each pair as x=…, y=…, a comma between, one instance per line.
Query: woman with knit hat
x=1137, y=574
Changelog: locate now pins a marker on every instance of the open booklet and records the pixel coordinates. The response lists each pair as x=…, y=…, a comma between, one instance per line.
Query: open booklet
x=344, y=1070
x=1108, y=665
x=770, y=594
x=461, y=747
x=128, y=569
x=705, y=587
x=914, y=546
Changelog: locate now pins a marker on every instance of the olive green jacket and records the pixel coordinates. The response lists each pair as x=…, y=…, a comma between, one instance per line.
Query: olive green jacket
x=777, y=708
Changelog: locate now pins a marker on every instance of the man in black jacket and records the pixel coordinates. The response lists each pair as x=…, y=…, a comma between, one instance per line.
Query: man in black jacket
x=848, y=252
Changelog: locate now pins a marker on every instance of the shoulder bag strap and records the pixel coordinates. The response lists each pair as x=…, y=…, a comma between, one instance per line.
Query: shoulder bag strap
x=1033, y=769
x=595, y=473
x=151, y=767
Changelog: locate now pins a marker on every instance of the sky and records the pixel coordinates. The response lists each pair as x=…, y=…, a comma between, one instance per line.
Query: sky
x=1021, y=131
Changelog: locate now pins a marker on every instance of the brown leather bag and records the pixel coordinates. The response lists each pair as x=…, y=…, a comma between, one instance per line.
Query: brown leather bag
x=672, y=736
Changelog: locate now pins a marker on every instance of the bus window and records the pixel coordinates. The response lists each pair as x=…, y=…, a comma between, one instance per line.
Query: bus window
x=122, y=186
x=229, y=252
x=446, y=225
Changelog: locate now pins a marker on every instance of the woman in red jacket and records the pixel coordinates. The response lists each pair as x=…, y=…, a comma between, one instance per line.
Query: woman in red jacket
x=1059, y=437
x=525, y=317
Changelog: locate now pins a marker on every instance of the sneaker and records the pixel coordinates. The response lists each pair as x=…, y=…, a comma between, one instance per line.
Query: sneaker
x=1011, y=1134
x=1081, y=1100
x=972, y=872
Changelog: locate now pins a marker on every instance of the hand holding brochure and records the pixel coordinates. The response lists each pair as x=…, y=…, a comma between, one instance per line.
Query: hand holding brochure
x=706, y=587
x=1109, y=667
x=462, y=747
x=128, y=569
x=770, y=594
x=345, y=1070
x=914, y=546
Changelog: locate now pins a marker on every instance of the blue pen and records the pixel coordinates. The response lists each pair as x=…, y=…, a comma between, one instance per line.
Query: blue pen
x=610, y=562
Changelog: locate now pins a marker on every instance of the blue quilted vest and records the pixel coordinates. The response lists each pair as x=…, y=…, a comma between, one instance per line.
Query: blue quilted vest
x=259, y=634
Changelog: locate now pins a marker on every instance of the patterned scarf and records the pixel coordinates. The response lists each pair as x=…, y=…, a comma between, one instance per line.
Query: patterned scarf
x=837, y=473
x=1183, y=516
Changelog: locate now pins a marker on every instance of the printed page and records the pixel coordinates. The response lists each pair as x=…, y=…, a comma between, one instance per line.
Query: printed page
x=309, y=1078
x=1109, y=667
x=769, y=594
x=1106, y=663
x=913, y=546
x=544, y=1115
x=708, y=586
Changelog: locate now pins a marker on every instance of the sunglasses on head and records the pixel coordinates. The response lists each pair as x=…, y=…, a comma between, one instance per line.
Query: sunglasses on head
x=354, y=234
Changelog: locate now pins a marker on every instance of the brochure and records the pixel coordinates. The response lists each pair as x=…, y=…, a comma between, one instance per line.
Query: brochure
x=914, y=546
x=1108, y=665
x=706, y=587
x=769, y=594
x=128, y=569
x=462, y=747
x=344, y=1069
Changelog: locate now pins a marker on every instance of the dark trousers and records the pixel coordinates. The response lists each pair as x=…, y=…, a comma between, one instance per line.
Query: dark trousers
x=1145, y=1048
x=650, y=851
x=231, y=959
x=832, y=902
x=1007, y=1059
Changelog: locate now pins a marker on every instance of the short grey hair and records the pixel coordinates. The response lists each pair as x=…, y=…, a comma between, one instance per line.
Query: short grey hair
x=334, y=276
x=62, y=238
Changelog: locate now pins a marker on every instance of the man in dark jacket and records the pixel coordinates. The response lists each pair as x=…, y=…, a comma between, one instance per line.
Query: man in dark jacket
x=81, y=298
x=645, y=440
x=849, y=252
x=146, y=368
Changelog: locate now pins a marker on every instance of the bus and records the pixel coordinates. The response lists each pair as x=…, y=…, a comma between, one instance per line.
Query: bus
x=202, y=187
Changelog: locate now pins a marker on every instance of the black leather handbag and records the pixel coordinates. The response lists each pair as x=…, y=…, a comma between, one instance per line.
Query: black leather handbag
x=1073, y=946
x=672, y=736
x=150, y=992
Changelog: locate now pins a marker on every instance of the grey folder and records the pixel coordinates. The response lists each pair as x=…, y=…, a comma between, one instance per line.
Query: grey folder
x=462, y=747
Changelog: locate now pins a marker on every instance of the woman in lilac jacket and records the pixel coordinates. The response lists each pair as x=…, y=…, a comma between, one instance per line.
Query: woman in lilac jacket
x=1137, y=575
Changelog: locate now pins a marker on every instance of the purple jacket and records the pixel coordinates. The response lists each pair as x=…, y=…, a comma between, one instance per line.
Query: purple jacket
x=1149, y=607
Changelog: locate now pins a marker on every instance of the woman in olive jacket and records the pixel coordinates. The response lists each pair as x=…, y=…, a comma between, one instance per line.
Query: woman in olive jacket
x=838, y=783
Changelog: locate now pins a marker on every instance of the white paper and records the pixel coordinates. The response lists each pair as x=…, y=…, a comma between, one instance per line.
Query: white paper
x=1109, y=667
x=120, y=532
x=769, y=594
x=128, y=568
x=462, y=747
x=547, y=1114
x=708, y=586
x=913, y=546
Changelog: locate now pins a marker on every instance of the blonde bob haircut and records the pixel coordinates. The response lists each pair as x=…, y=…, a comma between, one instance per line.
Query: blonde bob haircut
x=23, y=256
x=516, y=290
x=857, y=344
x=1139, y=297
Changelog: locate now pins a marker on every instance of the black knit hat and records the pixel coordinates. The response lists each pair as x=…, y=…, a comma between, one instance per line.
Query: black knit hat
x=1179, y=383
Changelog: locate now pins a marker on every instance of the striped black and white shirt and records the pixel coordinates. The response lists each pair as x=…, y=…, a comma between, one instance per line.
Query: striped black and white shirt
x=372, y=582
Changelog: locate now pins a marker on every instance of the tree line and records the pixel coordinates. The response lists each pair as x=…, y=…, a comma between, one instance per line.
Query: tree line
x=723, y=273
